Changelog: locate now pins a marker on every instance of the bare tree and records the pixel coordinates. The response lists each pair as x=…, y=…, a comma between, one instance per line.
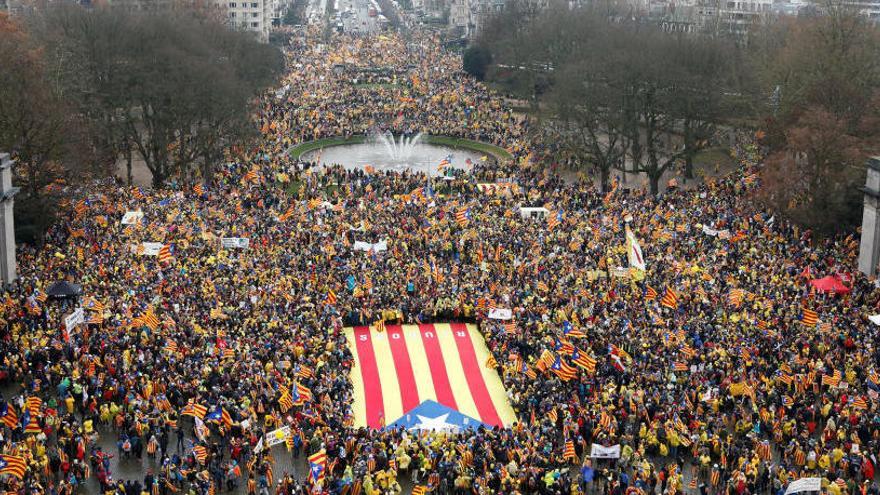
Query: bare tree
x=174, y=87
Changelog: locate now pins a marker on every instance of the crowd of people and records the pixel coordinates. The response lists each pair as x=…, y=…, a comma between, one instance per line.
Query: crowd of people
x=717, y=370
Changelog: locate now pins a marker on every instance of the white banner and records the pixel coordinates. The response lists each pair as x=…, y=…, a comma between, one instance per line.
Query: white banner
x=724, y=234
x=500, y=314
x=602, y=452
x=277, y=436
x=132, y=217
x=366, y=246
x=78, y=317
x=619, y=272
x=634, y=251
x=875, y=319
x=235, y=242
x=804, y=485
x=150, y=248
x=529, y=212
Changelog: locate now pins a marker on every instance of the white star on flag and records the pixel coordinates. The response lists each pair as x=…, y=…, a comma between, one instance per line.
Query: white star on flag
x=438, y=423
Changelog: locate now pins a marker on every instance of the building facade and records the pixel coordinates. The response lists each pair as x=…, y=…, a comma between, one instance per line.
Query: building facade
x=257, y=16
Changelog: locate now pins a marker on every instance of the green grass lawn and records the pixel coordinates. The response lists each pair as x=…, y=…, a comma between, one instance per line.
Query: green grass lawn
x=708, y=158
x=302, y=148
x=485, y=148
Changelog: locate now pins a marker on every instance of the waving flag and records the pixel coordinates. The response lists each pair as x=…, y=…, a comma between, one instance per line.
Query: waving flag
x=8, y=416
x=462, y=216
x=583, y=360
x=165, y=255
x=150, y=320
x=200, y=453
x=571, y=332
x=34, y=405
x=317, y=467
x=569, y=452
x=14, y=465
x=634, y=251
x=300, y=394
x=669, y=299
x=29, y=422
x=397, y=370
x=215, y=415
x=286, y=400
x=833, y=379
x=810, y=317
x=301, y=371
x=93, y=304
x=563, y=370
x=40, y=296
x=563, y=347
x=193, y=409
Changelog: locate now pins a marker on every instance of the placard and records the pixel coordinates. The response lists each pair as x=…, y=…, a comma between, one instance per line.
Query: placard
x=601, y=452
x=78, y=317
x=804, y=485
x=533, y=212
x=275, y=437
x=235, y=242
x=150, y=248
x=132, y=217
x=366, y=246
x=500, y=314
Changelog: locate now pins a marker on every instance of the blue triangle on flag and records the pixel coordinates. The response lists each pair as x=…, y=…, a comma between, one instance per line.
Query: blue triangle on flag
x=430, y=415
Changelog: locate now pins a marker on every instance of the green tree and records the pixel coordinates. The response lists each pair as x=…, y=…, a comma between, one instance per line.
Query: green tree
x=476, y=61
x=819, y=78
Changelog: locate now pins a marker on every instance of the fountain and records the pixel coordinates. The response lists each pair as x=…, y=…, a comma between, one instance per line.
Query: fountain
x=384, y=151
x=400, y=150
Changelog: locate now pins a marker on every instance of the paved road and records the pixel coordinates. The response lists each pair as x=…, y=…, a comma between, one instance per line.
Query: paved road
x=133, y=468
x=356, y=17
x=316, y=11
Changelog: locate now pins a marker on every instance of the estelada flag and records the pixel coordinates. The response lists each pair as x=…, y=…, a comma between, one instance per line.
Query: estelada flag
x=8, y=415
x=397, y=370
x=14, y=465
x=317, y=467
x=669, y=299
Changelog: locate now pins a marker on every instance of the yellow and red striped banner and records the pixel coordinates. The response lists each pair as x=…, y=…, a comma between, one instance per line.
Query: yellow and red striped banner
x=396, y=370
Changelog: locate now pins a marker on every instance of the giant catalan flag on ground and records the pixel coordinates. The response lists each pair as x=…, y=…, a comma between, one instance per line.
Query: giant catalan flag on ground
x=398, y=369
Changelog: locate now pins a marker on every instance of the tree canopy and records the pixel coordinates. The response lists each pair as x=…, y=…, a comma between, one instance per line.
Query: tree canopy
x=174, y=87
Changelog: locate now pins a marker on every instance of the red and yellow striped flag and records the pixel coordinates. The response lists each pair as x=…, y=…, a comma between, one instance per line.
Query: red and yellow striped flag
x=669, y=299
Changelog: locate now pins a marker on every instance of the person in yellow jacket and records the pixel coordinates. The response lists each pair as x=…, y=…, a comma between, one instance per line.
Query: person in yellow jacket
x=369, y=488
x=69, y=403
x=834, y=489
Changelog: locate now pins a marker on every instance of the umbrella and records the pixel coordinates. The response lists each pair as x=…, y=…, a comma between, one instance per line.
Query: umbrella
x=830, y=283
x=63, y=290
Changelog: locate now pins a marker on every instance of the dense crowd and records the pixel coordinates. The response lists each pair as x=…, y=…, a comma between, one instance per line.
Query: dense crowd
x=718, y=370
